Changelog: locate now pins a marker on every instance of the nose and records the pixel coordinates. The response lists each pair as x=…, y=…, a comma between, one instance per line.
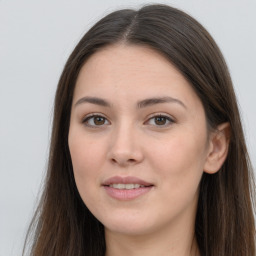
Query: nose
x=125, y=147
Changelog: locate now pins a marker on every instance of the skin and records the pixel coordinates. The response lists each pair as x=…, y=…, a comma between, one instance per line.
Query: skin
x=129, y=141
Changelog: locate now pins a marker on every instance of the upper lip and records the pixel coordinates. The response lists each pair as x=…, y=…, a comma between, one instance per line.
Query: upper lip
x=125, y=180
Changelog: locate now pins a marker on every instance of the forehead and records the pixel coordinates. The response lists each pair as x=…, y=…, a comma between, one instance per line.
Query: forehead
x=133, y=72
x=122, y=61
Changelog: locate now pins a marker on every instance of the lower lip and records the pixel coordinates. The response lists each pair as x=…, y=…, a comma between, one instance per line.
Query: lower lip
x=126, y=194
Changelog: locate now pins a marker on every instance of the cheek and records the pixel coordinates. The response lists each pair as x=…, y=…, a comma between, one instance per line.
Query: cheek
x=178, y=154
x=179, y=165
x=82, y=157
x=179, y=161
x=87, y=157
x=86, y=151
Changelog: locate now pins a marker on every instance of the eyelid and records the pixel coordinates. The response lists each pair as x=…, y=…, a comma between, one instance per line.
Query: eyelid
x=154, y=115
x=91, y=115
x=167, y=116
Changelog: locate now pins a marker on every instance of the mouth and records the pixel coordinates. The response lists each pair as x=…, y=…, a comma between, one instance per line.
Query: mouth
x=126, y=188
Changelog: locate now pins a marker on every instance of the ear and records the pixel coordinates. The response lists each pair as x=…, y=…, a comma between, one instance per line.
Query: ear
x=218, y=148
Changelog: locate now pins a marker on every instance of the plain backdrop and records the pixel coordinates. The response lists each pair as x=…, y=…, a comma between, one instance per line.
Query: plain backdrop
x=36, y=38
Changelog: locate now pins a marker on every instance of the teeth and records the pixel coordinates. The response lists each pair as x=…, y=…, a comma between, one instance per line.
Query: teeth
x=126, y=186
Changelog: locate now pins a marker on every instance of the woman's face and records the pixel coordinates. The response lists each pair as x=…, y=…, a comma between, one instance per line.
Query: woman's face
x=138, y=141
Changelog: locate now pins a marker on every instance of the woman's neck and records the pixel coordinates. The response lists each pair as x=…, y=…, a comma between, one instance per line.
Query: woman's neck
x=180, y=242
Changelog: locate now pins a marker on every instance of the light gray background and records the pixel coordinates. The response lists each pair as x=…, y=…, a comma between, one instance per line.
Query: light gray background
x=36, y=38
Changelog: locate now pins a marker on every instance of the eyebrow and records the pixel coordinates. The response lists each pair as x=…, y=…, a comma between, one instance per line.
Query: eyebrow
x=93, y=100
x=153, y=101
x=141, y=104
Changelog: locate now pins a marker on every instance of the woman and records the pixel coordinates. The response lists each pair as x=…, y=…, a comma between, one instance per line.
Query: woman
x=147, y=153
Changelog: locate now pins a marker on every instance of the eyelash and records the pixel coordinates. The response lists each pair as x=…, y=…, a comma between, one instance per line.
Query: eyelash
x=166, y=117
x=92, y=116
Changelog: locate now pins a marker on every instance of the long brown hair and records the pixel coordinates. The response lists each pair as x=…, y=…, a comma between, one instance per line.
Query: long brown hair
x=224, y=226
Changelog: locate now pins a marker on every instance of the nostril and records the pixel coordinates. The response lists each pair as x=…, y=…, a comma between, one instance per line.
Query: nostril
x=123, y=161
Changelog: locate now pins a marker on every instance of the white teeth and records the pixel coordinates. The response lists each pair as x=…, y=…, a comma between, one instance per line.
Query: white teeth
x=126, y=186
x=137, y=186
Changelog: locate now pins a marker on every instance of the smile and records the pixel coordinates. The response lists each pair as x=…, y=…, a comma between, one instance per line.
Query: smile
x=126, y=188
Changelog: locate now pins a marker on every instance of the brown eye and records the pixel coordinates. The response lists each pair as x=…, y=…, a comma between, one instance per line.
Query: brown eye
x=95, y=120
x=160, y=120
x=99, y=120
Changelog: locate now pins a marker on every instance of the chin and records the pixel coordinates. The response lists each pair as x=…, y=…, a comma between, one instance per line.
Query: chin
x=129, y=224
x=129, y=230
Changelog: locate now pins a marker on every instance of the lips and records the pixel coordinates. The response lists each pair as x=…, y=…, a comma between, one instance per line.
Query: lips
x=126, y=188
x=126, y=180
